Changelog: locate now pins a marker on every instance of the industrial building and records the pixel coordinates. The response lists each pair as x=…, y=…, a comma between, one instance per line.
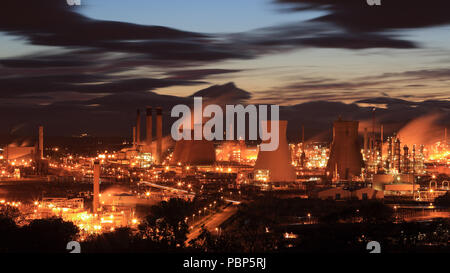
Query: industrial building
x=144, y=153
x=342, y=193
x=18, y=153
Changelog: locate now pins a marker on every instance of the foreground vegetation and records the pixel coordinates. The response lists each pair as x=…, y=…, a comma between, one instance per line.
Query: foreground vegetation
x=268, y=224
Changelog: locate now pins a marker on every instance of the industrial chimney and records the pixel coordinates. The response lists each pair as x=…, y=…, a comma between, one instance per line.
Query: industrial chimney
x=138, y=127
x=95, y=203
x=159, y=135
x=148, y=126
x=365, y=144
x=381, y=143
x=303, y=155
x=445, y=138
x=134, y=137
x=41, y=142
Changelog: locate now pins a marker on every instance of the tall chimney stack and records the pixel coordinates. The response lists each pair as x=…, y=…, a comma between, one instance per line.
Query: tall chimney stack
x=303, y=135
x=138, y=128
x=41, y=142
x=134, y=137
x=303, y=155
x=365, y=143
x=148, y=126
x=159, y=134
x=382, y=142
x=95, y=202
x=445, y=138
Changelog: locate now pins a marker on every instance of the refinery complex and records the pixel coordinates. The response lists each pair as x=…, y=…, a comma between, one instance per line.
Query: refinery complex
x=107, y=190
x=225, y=135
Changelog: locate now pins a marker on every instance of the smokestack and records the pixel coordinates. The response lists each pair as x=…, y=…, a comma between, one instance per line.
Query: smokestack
x=382, y=134
x=445, y=137
x=134, y=137
x=138, y=127
x=95, y=202
x=303, y=155
x=365, y=143
x=373, y=138
x=382, y=142
x=242, y=149
x=303, y=135
x=148, y=126
x=41, y=141
x=159, y=134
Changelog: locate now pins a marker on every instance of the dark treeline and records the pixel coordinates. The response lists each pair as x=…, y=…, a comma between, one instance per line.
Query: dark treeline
x=265, y=225
x=42, y=235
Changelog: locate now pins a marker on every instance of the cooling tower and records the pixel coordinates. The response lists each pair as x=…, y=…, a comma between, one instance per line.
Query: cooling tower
x=345, y=154
x=278, y=162
x=96, y=183
x=194, y=152
x=178, y=151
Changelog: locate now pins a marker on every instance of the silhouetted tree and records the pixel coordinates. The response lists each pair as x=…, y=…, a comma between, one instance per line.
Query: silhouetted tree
x=47, y=235
x=119, y=241
x=443, y=200
x=166, y=223
x=8, y=234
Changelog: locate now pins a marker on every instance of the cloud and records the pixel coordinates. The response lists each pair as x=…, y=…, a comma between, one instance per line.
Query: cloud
x=114, y=114
x=111, y=114
x=100, y=69
x=399, y=84
x=314, y=34
x=358, y=16
x=348, y=24
x=54, y=23
x=199, y=73
x=362, y=26
x=91, y=73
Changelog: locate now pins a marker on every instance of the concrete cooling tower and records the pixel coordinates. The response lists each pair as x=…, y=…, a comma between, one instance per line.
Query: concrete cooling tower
x=277, y=164
x=194, y=152
x=345, y=155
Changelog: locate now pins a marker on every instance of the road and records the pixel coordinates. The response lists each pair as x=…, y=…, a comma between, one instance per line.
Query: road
x=212, y=222
x=428, y=216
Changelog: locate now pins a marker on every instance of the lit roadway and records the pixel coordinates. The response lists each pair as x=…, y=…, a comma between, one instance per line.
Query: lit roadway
x=180, y=193
x=428, y=216
x=163, y=187
x=212, y=222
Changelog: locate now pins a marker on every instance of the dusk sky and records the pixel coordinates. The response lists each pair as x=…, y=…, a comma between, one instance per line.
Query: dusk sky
x=281, y=51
